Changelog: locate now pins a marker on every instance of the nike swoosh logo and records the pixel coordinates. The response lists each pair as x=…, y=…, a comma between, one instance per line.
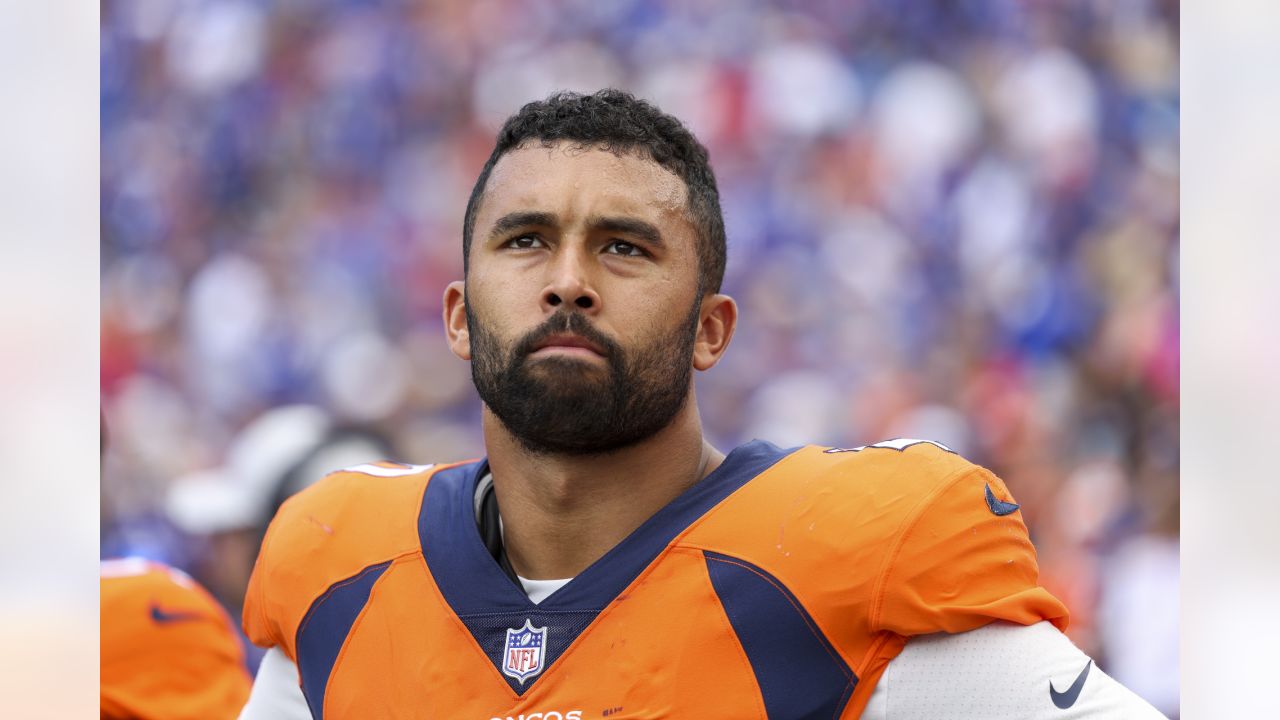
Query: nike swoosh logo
x=165, y=617
x=1066, y=699
x=999, y=507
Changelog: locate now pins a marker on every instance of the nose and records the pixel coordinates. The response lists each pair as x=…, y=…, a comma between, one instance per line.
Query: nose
x=569, y=283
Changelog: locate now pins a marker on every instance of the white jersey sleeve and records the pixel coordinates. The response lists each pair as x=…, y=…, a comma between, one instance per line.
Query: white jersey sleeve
x=276, y=693
x=1000, y=671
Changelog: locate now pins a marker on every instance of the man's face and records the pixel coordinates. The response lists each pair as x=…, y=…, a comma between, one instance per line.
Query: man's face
x=582, y=300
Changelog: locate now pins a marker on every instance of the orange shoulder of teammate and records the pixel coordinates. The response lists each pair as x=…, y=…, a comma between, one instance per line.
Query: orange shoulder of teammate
x=168, y=649
x=330, y=531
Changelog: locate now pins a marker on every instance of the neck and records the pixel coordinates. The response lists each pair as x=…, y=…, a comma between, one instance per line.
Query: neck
x=560, y=513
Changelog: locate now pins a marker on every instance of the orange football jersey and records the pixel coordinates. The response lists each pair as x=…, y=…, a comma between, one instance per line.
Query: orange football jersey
x=169, y=650
x=779, y=586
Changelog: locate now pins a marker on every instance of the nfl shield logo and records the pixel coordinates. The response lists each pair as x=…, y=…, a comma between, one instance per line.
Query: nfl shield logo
x=525, y=653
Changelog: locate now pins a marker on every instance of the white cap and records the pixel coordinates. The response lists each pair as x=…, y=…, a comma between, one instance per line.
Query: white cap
x=237, y=494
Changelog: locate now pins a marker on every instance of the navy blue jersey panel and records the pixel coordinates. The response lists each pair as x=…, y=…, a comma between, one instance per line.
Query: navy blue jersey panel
x=324, y=630
x=467, y=575
x=799, y=673
x=562, y=628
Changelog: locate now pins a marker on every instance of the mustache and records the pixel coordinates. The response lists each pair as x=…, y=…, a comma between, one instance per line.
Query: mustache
x=567, y=321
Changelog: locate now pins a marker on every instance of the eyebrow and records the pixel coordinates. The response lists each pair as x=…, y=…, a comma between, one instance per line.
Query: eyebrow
x=628, y=226
x=516, y=220
x=634, y=227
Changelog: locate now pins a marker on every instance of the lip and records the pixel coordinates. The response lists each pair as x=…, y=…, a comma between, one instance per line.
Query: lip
x=567, y=344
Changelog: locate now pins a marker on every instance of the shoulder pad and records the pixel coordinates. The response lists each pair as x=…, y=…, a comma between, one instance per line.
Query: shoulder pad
x=330, y=531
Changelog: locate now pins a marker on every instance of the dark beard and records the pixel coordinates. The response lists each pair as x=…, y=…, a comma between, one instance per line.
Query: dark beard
x=562, y=406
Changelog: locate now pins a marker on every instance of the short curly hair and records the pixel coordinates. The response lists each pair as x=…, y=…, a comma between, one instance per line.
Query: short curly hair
x=618, y=122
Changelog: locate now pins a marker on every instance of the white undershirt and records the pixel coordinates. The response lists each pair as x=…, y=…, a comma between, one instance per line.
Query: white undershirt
x=539, y=590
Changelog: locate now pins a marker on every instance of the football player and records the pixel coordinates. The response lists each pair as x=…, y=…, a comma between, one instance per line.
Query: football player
x=169, y=650
x=604, y=560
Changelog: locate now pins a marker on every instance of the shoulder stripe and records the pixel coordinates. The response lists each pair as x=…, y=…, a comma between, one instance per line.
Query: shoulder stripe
x=386, y=472
x=324, y=630
x=799, y=672
x=899, y=444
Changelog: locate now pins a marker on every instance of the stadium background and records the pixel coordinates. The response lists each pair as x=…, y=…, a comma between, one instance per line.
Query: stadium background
x=954, y=220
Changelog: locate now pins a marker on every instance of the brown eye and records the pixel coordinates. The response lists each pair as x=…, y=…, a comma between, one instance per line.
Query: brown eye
x=525, y=242
x=619, y=247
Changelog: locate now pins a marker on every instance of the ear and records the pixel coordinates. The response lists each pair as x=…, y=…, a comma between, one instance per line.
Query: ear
x=455, y=319
x=717, y=321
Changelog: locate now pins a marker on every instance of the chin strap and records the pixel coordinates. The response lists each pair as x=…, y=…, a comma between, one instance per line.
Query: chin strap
x=489, y=522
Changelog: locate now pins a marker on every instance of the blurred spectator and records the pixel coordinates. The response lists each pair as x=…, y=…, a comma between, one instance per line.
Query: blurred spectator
x=279, y=453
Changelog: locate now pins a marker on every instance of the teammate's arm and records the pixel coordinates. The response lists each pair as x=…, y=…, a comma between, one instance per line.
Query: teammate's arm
x=1000, y=671
x=276, y=694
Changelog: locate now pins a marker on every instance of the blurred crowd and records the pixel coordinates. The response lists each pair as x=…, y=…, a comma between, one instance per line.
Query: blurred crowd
x=947, y=219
